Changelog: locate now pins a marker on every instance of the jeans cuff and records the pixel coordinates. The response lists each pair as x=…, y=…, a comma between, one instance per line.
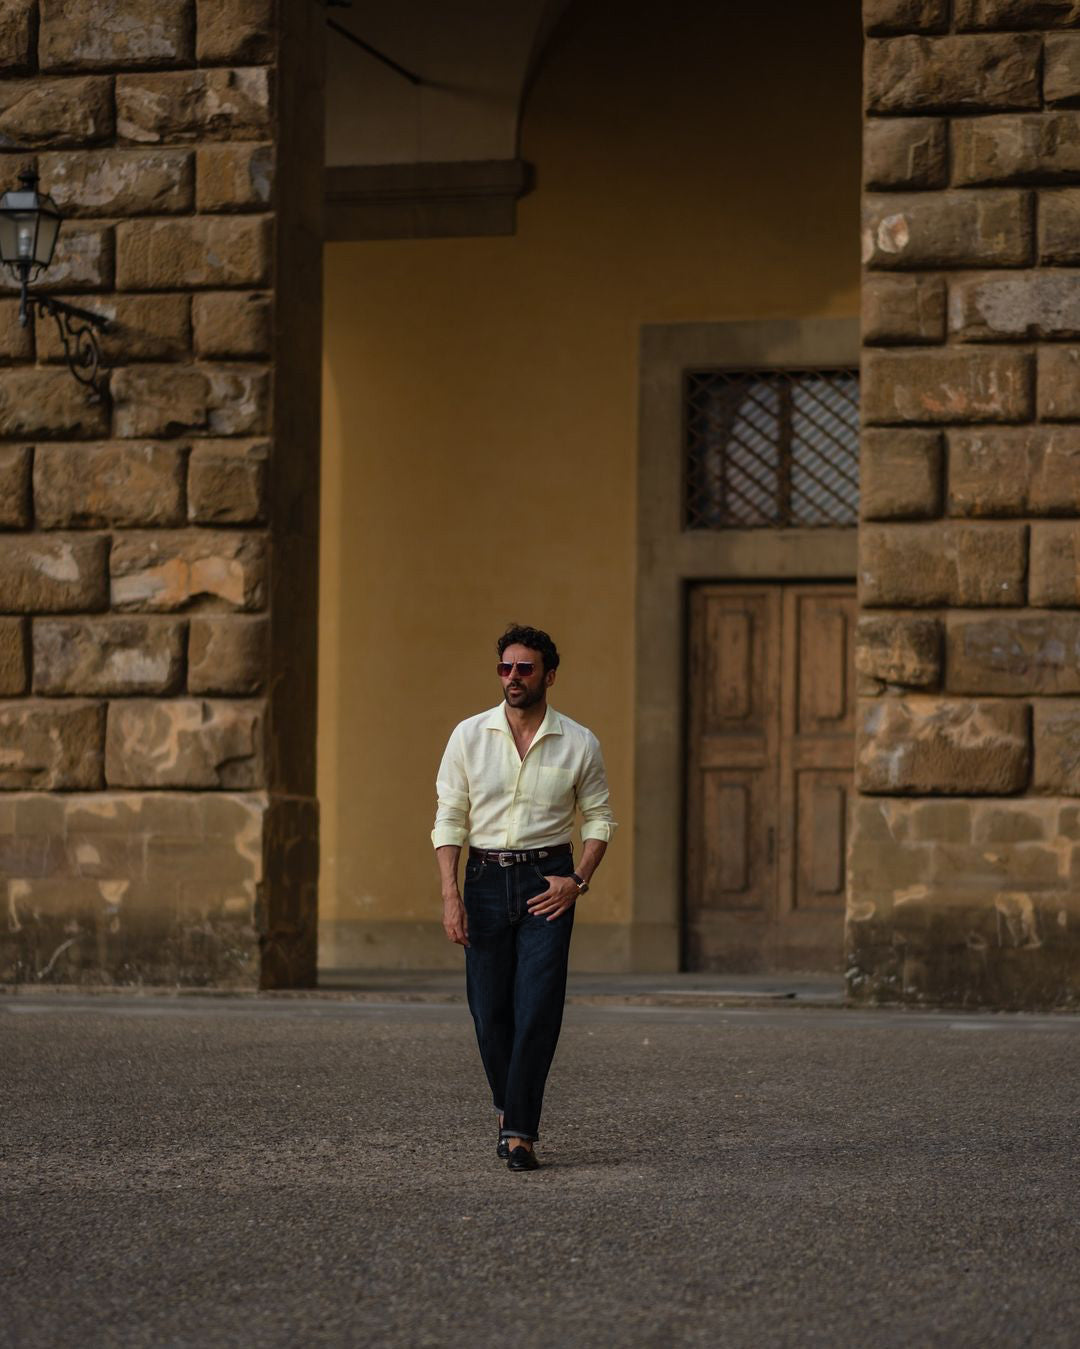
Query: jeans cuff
x=518, y=1133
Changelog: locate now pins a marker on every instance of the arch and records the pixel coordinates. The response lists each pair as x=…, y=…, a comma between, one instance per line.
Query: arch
x=439, y=157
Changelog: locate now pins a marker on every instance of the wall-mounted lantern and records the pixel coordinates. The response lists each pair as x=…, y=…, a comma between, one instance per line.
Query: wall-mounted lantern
x=29, y=225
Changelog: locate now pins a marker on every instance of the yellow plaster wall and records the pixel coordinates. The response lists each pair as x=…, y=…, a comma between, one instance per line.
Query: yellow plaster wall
x=693, y=163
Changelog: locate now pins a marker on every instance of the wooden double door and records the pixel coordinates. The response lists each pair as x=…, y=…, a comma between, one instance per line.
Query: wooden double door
x=771, y=752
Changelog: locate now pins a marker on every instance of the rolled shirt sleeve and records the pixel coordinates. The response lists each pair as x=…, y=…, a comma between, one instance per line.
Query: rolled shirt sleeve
x=597, y=820
x=452, y=790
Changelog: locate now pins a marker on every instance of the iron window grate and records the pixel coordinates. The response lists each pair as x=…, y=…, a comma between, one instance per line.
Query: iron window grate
x=769, y=449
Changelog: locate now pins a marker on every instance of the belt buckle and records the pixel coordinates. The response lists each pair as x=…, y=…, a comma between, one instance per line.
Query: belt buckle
x=506, y=859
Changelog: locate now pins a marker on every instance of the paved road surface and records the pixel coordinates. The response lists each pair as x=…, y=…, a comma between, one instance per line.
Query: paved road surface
x=203, y=1172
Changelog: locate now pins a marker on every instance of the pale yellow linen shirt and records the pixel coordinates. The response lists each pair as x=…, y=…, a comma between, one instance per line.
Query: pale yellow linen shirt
x=491, y=798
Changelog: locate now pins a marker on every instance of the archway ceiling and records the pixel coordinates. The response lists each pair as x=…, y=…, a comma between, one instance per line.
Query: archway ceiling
x=475, y=58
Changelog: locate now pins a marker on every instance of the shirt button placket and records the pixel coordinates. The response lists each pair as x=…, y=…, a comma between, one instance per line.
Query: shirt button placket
x=513, y=890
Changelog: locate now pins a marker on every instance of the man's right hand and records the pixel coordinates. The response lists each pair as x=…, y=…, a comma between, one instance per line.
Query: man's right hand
x=454, y=921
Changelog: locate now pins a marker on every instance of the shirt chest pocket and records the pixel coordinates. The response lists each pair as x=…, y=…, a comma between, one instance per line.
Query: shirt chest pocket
x=554, y=787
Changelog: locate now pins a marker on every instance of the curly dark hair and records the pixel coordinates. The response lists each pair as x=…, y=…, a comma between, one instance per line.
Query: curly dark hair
x=535, y=639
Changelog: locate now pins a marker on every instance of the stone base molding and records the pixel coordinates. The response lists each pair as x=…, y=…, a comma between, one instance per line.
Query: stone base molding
x=597, y=948
x=967, y=901
x=134, y=888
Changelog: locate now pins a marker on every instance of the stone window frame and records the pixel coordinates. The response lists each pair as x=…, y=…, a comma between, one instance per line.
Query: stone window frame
x=671, y=558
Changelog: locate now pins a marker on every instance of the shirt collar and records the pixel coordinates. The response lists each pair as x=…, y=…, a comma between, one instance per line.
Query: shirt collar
x=551, y=725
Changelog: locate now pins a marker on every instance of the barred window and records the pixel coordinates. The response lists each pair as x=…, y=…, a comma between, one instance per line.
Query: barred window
x=771, y=448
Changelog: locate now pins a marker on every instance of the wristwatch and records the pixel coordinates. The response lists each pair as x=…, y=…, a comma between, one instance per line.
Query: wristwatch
x=582, y=886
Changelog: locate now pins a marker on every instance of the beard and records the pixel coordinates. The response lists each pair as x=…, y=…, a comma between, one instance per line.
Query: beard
x=529, y=700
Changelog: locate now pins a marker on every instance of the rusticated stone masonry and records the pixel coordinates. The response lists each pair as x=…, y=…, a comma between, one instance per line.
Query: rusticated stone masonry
x=965, y=851
x=158, y=547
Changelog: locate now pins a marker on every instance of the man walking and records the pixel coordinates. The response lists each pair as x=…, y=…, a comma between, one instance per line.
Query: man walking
x=509, y=784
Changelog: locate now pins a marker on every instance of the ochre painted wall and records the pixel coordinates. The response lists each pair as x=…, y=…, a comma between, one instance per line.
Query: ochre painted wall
x=693, y=163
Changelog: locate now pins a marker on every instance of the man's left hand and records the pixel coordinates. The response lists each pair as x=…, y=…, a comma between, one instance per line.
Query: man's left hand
x=560, y=895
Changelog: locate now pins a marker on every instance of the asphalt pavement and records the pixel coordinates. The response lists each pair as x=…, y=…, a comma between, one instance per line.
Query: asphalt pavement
x=321, y=1171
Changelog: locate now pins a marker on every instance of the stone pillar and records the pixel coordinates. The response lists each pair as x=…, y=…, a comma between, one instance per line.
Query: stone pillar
x=158, y=548
x=965, y=849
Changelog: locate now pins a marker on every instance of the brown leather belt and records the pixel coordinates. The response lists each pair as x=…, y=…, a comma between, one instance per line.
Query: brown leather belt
x=512, y=857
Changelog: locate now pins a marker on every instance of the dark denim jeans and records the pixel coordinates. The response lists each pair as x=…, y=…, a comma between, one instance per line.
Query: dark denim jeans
x=515, y=971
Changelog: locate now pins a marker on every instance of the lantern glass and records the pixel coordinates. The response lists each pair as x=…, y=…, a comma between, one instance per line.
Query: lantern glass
x=9, y=238
x=47, y=230
x=29, y=224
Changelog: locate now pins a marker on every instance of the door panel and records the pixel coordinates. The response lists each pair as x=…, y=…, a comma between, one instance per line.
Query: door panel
x=734, y=652
x=735, y=855
x=825, y=624
x=817, y=754
x=734, y=738
x=822, y=803
x=770, y=772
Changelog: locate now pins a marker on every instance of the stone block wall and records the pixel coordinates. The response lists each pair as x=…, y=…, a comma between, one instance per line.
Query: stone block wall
x=965, y=845
x=158, y=547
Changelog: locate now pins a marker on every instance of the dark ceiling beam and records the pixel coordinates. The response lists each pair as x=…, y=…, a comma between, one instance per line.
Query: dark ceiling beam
x=424, y=201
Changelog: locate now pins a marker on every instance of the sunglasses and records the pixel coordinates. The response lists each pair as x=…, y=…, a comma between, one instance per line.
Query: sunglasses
x=506, y=667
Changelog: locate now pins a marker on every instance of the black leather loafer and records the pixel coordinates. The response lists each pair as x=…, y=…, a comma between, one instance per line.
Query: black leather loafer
x=521, y=1159
x=502, y=1149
